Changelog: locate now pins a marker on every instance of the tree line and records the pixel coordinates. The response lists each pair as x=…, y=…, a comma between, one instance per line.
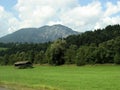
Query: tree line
x=92, y=47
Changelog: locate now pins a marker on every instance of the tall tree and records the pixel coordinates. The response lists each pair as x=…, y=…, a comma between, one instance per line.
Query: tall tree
x=70, y=54
x=81, y=56
x=39, y=58
x=55, y=53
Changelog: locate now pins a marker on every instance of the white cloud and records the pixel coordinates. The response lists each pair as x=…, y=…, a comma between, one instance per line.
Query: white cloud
x=36, y=13
x=5, y=23
x=107, y=21
x=112, y=9
x=83, y=18
x=110, y=15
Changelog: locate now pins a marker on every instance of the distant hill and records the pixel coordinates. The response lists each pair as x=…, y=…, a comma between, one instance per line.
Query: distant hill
x=38, y=35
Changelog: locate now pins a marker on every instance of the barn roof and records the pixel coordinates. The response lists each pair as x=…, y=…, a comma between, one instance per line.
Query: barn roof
x=22, y=62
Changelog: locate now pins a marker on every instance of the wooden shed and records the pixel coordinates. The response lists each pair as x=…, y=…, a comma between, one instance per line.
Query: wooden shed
x=23, y=64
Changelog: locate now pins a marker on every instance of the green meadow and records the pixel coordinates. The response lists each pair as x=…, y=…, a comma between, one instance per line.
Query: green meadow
x=97, y=77
x=3, y=49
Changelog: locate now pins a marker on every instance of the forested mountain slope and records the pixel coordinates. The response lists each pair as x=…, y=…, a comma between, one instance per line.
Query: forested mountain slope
x=97, y=36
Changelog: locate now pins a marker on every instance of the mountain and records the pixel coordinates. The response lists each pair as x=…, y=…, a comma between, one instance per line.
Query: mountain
x=38, y=35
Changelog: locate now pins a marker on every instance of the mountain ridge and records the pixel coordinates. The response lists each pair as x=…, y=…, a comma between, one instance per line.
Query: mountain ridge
x=38, y=35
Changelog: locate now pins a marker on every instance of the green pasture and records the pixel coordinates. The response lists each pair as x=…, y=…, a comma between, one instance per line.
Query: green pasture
x=97, y=77
x=3, y=49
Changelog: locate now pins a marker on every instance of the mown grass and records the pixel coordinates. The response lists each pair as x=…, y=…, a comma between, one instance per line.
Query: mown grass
x=98, y=77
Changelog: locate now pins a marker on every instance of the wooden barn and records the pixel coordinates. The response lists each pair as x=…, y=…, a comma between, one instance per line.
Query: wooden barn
x=23, y=64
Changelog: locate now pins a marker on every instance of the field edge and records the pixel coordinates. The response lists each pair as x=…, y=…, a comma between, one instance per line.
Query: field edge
x=15, y=86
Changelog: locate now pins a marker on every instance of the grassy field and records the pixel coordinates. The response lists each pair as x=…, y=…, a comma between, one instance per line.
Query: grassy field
x=98, y=77
x=3, y=49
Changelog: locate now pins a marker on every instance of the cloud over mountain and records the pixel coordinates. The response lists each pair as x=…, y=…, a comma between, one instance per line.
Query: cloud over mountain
x=36, y=13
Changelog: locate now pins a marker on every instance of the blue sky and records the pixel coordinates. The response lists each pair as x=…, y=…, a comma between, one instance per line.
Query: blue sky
x=8, y=4
x=80, y=15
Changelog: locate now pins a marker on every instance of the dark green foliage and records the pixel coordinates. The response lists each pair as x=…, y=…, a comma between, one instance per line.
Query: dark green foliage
x=55, y=53
x=70, y=54
x=117, y=58
x=21, y=52
x=90, y=54
x=97, y=36
x=40, y=58
x=101, y=55
x=81, y=56
x=117, y=44
x=6, y=60
x=1, y=61
x=19, y=47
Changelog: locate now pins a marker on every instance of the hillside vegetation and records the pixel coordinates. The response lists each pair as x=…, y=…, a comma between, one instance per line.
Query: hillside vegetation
x=92, y=47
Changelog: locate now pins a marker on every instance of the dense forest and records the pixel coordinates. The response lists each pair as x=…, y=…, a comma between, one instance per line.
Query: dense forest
x=92, y=47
